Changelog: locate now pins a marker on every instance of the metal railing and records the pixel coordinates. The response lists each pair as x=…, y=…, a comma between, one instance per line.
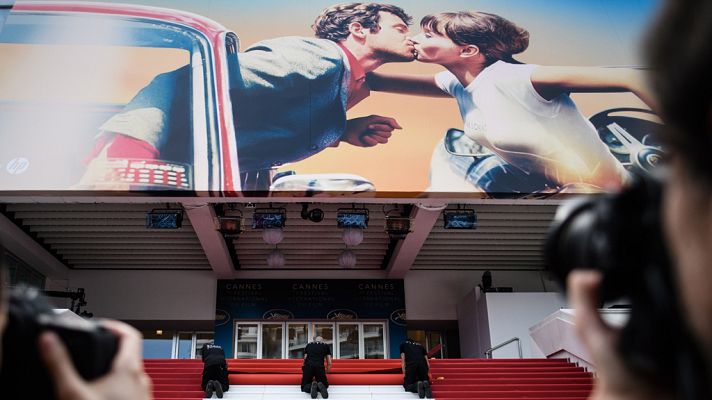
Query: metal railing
x=488, y=352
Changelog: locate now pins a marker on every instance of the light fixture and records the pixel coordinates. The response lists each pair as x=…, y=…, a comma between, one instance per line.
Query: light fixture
x=264, y=218
x=352, y=236
x=275, y=259
x=313, y=215
x=347, y=259
x=352, y=218
x=231, y=226
x=460, y=219
x=229, y=220
x=273, y=236
x=397, y=227
x=164, y=219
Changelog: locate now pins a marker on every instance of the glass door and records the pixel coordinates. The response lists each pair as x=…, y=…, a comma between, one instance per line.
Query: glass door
x=326, y=331
x=272, y=340
x=374, y=344
x=349, y=340
x=246, y=340
x=184, y=345
x=202, y=338
x=297, y=339
x=435, y=339
x=278, y=340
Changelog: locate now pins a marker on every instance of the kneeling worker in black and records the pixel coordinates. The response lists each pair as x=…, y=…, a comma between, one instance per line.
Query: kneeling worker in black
x=415, y=366
x=313, y=372
x=214, y=371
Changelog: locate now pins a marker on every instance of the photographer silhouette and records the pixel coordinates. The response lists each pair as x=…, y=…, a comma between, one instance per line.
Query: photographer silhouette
x=125, y=380
x=680, y=57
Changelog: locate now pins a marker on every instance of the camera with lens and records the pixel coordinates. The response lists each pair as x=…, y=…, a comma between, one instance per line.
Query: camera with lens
x=621, y=235
x=22, y=373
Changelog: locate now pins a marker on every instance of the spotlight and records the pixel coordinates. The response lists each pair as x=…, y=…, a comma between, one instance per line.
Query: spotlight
x=459, y=219
x=352, y=218
x=397, y=227
x=264, y=218
x=315, y=215
x=164, y=219
x=230, y=227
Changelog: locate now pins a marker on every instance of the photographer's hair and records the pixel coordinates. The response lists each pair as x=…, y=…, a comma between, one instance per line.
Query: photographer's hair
x=333, y=23
x=496, y=37
x=3, y=278
x=679, y=52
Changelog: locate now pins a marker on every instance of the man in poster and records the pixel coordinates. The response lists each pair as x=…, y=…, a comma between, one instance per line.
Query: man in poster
x=290, y=96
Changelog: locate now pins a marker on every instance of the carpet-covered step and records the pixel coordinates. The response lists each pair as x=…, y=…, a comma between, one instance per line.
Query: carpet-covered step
x=506, y=369
x=510, y=374
x=334, y=379
x=533, y=387
x=503, y=381
x=523, y=364
x=524, y=394
x=179, y=394
x=507, y=361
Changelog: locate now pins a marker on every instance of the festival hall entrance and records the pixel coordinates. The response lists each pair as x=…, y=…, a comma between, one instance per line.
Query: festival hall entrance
x=285, y=340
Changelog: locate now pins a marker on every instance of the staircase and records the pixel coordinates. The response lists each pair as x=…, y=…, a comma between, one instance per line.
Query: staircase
x=453, y=379
x=460, y=379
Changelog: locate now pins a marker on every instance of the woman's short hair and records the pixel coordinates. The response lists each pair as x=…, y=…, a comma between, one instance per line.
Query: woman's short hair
x=497, y=38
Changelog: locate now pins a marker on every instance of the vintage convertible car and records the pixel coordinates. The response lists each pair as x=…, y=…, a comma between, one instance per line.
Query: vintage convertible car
x=68, y=67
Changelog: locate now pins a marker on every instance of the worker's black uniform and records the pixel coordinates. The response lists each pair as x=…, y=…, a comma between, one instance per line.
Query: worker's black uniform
x=314, y=365
x=214, y=366
x=416, y=366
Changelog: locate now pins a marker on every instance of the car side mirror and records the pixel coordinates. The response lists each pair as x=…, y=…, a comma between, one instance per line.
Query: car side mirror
x=459, y=144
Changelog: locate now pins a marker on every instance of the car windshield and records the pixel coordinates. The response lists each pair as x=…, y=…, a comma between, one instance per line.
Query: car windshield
x=63, y=76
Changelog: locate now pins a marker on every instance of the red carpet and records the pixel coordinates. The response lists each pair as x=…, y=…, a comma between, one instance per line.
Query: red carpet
x=453, y=379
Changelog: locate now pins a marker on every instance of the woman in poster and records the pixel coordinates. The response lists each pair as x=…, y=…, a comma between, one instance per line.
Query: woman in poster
x=520, y=112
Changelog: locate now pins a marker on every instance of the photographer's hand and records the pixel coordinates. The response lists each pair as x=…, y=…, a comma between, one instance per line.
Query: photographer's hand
x=615, y=381
x=125, y=381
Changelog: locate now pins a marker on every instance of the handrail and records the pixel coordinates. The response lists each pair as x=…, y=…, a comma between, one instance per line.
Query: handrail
x=488, y=352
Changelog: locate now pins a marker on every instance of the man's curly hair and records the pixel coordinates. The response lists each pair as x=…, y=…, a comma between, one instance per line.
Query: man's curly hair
x=333, y=23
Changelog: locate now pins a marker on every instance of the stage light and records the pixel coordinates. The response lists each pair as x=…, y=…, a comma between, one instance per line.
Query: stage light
x=265, y=218
x=397, y=227
x=352, y=218
x=230, y=227
x=164, y=219
x=459, y=219
x=314, y=215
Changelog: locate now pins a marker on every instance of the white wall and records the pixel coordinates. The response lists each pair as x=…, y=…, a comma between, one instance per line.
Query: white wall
x=148, y=295
x=190, y=295
x=512, y=314
x=434, y=295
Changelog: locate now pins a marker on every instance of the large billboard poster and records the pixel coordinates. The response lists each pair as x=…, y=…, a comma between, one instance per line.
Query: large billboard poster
x=516, y=98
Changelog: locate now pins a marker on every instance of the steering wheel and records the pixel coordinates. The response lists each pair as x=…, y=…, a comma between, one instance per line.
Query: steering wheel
x=628, y=136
